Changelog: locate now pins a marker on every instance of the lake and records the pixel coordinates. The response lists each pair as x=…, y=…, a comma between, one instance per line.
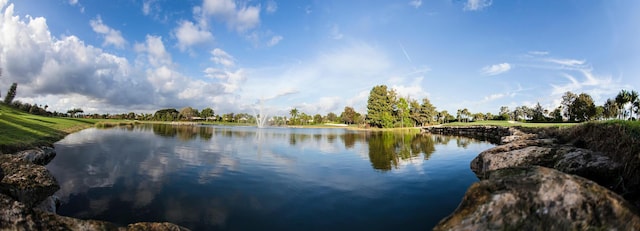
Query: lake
x=245, y=178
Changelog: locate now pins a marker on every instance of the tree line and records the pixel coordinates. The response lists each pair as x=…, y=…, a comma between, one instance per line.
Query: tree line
x=385, y=109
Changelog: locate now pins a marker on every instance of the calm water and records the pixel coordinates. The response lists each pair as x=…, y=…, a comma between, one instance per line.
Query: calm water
x=244, y=178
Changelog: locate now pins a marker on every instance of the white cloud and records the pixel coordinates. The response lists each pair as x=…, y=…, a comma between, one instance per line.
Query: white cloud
x=146, y=6
x=566, y=62
x=415, y=3
x=271, y=7
x=475, y=5
x=274, y=40
x=155, y=51
x=222, y=57
x=189, y=34
x=111, y=36
x=496, y=69
x=73, y=2
x=240, y=18
x=539, y=53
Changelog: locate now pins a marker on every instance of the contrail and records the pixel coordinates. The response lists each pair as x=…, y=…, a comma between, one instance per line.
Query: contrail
x=405, y=53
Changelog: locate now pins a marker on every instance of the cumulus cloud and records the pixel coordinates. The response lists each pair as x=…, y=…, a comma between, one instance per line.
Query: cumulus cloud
x=189, y=34
x=415, y=3
x=475, y=5
x=111, y=36
x=496, y=69
x=65, y=72
x=221, y=57
x=241, y=18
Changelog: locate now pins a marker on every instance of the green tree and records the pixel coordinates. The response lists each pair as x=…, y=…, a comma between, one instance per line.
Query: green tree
x=207, y=113
x=427, y=112
x=380, y=107
x=504, y=113
x=403, y=112
x=583, y=108
x=567, y=101
x=75, y=111
x=348, y=116
x=622, y=99
x=11, y=94
x=538, y=113
x=187, y=113
x=294, y=116
x=332, y=117
x=317, y=118
x=610, y=109
x=414, y=111
x=169, y=114
x=633, y=101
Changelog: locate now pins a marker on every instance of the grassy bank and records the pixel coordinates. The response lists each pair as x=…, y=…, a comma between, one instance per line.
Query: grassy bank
x=510, y=124
x=20, y=130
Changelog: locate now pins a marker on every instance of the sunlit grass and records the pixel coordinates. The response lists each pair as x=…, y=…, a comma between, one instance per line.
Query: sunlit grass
x=19, y=130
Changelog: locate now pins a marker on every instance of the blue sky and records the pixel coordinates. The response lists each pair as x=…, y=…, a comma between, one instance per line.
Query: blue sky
x=317, y=56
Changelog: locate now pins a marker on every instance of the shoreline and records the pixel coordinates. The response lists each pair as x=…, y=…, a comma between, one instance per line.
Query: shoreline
x=583, y=177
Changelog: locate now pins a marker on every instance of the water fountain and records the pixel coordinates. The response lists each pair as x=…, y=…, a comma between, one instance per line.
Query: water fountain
x=261, y=116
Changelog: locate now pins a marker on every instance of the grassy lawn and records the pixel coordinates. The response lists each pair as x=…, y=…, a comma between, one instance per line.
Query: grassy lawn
x=510, y=124
x=19, y=130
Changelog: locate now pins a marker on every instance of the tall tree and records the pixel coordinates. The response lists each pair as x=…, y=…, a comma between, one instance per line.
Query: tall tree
x=348, y=115
x=633, y=98
x=332, y=117
x=427, y=111
x=414, y=111
x=622, y=99
x=402, y=112
x=187, y=113
x=504, y=113
x=567, y=100
x=583, y=108
x=11, y=94
x=380, y=107
x=294, y=115
x=207, y=113
x=610, y=108
x=538, y=113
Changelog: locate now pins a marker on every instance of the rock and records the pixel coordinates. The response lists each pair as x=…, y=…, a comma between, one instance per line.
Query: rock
x=15, y=215
x=144, y=226
x=592, y=165
x=26, y=182
x=517, y=153
x=40, y=156
x=50, y=204
x=539, y=198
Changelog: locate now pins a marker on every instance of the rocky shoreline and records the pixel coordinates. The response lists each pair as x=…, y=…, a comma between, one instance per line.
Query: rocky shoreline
x=27, y=201
x=545, y=179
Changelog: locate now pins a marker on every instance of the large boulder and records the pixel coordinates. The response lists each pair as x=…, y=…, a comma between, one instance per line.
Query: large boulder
x=539, y=198
x=40, y=156
x=595, y=166
x=26, y=182
x=15, y=215
x=517, y=153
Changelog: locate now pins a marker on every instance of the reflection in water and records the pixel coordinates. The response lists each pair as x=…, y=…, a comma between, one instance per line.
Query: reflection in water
x=243, y=178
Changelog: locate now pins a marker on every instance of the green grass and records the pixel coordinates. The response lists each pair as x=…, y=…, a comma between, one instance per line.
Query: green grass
x=510, y=124
x=20, y=130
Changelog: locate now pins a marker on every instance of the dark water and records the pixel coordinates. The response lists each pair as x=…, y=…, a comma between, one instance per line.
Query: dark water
x=244, y=178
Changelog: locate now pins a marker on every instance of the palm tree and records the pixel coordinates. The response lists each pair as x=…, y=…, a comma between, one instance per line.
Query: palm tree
x=621, y=99
x=610, y=109
x=633, y=98
x=294, y=114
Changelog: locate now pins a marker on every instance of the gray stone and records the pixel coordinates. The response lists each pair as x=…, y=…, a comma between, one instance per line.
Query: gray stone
x=517, y=153
x=539, y=198
x=26, y=182
x=40, y=156
x=592, y=165
x=50, y=204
